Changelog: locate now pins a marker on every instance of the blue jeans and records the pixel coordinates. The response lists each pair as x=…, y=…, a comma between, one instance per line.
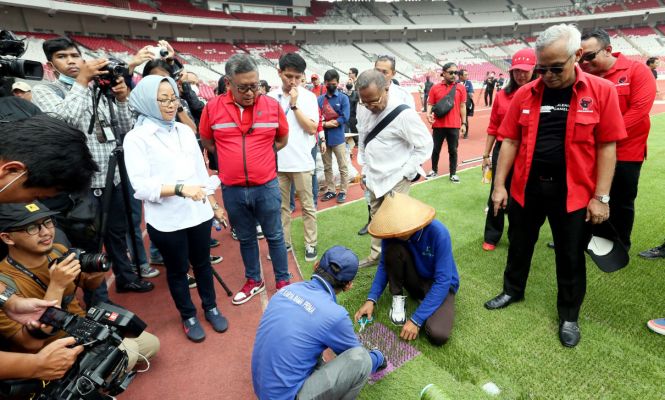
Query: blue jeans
x=248, y=205
x=315, y=183
x=135, y=230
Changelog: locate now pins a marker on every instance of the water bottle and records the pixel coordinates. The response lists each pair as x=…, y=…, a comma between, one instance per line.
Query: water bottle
x=216, y=224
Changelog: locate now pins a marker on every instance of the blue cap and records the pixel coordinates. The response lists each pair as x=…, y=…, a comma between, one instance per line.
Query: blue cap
x=340, y=262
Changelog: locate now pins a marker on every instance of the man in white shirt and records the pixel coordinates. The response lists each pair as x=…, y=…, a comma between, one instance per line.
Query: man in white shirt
x=393, y=159
x=295, y=164
x=386, y=65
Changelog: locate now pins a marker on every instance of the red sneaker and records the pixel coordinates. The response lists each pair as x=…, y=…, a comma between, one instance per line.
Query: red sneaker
x=249, y=290
x=281, y=284
x=488, y=246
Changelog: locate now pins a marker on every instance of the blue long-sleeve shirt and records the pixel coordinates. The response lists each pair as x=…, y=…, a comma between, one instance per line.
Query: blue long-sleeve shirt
x=432, y=253
x=300, y=322
x=469, y=86
x=340, y=103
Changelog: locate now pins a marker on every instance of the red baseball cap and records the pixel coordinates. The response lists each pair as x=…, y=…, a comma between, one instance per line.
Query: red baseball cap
x=524, y=60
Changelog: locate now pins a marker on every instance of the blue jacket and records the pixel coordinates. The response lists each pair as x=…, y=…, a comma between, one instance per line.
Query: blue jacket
x=340, y=103
x=469, y=86
x=300, y=322
x=432, y=253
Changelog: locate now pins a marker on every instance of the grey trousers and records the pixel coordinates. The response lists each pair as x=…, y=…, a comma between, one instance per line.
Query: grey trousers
x=341, y=378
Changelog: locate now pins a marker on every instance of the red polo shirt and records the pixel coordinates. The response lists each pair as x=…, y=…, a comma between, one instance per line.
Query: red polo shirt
x=244, y=143
x=594, y=117
x=637, y=92
x=453, y=118
x=499, y=110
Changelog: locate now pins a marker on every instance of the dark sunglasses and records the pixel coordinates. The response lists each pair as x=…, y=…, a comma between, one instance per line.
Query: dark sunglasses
x=540, y=70
x=589, y=56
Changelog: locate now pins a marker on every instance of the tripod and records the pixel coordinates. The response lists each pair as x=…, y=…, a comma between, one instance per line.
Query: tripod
x=116, y=158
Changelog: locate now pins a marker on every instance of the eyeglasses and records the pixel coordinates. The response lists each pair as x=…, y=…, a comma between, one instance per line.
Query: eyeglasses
x=169, y=102
x=373, y=103
x=246, y=88
x=589, y=56
x=451, y=72
x=540, y=70
x=34, y=228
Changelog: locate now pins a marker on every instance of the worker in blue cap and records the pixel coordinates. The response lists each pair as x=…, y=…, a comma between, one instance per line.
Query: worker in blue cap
x=300, y=322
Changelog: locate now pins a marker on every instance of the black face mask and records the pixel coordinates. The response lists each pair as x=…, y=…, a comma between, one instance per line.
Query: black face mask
x=331, y=89
x=349, y=87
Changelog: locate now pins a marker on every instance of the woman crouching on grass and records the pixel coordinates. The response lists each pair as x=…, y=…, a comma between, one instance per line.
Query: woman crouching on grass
x=167, y=171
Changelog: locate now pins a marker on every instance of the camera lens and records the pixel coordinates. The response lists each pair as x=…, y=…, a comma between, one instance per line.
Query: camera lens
x=94, y=262
x=163, y=52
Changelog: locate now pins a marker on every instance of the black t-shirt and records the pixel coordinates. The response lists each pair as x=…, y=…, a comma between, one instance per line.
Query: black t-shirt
x=552, y=127
x=490, y=84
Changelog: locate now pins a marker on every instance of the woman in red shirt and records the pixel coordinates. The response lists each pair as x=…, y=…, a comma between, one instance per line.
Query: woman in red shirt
x=521, y=72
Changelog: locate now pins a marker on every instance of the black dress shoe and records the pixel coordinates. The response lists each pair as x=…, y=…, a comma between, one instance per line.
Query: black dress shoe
x=137, y=286
x=502, y=300
x=363, y=231
x=569, y=333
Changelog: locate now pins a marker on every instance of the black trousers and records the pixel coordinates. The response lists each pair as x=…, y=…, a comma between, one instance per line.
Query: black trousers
x=488, y=97
x=402, y=275
x=547, y=199
x=622, y=202
x=494, y=224
x=180, y=249
x=452, y=136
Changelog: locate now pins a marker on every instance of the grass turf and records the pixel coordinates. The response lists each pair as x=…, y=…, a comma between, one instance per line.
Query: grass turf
x=517, y=348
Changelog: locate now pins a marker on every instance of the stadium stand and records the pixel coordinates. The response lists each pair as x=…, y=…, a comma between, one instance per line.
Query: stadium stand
x=641, y=4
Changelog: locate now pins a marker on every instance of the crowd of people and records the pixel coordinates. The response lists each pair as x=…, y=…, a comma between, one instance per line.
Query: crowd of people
x=566, y=142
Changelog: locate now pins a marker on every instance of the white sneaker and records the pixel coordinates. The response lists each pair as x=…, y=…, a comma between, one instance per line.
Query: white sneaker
x=454, y=178
x=398, y=310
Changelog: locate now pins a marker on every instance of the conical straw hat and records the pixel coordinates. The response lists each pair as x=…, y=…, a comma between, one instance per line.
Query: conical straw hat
x=400, y=215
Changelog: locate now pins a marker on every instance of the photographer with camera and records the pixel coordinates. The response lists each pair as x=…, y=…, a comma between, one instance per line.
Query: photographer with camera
x=72, y=99
x=35, y=267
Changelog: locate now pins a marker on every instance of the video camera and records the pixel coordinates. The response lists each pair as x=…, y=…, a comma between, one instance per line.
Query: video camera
x=11, y=48
x=100, y=371
x=89, y=262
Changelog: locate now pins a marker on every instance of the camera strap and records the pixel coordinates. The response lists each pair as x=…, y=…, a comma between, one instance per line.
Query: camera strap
x=27, y=272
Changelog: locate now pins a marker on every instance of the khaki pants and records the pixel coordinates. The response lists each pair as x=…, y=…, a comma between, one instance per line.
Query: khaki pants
x=146, y=344
x=303, y=183
x=402, y=186
x=340, y=155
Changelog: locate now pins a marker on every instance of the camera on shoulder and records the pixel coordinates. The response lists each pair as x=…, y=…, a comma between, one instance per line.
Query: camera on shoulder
x=11, y=65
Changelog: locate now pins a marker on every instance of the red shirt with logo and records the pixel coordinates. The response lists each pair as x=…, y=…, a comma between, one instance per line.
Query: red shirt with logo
x=453, y=119
x=594, y=117
x=637, y=92
x=499, y=110
x=244, y=141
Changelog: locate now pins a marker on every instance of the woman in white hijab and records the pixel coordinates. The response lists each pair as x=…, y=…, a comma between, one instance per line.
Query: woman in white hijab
x=167, y=171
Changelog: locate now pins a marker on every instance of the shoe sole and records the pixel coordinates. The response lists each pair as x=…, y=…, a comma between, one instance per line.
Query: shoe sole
x=248, y=298
x=212, y=246
x=195, y=340
x=310, y=259
x=217, y=261
x=656, y=328
x=150, y=275
x=213, y=327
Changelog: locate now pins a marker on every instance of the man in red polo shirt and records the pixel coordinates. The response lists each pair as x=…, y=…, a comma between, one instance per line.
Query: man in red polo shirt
x=637, y=91
x=245, y=129
x=560, y=132
x=449, y=126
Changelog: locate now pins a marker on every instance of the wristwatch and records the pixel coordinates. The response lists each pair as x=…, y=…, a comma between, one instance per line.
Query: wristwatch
x=294, y=108
x=215, y=207
x=604, y=198
x=5, y=295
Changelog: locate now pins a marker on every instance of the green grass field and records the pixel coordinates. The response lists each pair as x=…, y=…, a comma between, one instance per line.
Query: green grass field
x=518, y=348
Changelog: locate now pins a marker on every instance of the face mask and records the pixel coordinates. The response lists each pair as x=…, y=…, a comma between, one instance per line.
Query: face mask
x=349, y=87
x=12, y=181
x=331, y=89
x=66, y=79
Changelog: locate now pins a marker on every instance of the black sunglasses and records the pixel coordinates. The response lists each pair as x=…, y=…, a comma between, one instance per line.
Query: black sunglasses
x=589, y=56
x=540, y=70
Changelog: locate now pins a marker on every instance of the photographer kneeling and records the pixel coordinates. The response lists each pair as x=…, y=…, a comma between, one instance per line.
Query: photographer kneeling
x=28, y=231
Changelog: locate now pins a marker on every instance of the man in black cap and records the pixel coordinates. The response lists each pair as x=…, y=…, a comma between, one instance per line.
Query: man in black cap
x=32, y=269
x=300, y=322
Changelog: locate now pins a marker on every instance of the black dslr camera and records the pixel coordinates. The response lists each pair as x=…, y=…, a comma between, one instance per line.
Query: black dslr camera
x=11, y=48
x=100, y=371
x=90, y=262
x=114, y=69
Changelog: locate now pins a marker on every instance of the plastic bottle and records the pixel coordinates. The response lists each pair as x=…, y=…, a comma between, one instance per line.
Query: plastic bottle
x=216, y=224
